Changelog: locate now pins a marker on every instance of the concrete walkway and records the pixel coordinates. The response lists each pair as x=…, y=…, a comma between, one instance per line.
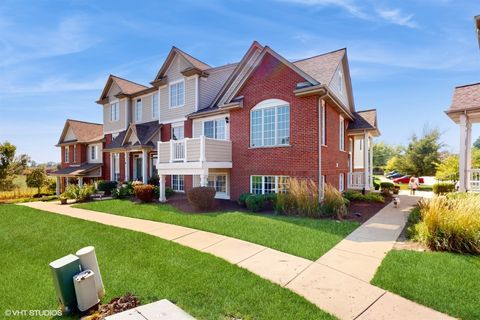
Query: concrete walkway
x=338, y=282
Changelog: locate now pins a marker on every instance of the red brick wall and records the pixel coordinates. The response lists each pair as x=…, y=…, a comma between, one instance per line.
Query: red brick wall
x=122, y=166
x=165, y=132
x=271, y=80
x=334, y=161
x=187, y=127
x=106, y=159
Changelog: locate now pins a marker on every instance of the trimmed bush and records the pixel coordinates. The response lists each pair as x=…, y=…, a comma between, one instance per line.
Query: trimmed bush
x=80, y=194
x=374, y=197
x=413, y=218
x=357, y=196
x=144, y=192
x=334, y=203
x=169, y=192
x=242, y=198
x=443, y=188
x=255, y=202
x=201, y=198
x=154, y=180
x=450, y=223
x=106, y=186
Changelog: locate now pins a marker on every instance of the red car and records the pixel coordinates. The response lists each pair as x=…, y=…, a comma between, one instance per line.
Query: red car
x=406, y=179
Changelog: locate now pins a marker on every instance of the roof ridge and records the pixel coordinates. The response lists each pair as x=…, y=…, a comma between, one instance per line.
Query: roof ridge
x=468, y=85
x=319, y=55
x=87, y=122
x=232, y=64
x=114, y=76
x=366, y=110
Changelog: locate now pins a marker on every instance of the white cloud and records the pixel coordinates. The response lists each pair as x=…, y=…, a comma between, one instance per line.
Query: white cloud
x=52, y=84
x=396, y=16
x=348, y=5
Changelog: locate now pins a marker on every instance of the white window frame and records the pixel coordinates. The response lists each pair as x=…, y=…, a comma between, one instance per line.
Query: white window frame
x=155, y=109
x=170, y=85
x=93, y=152
x=263, y=182
x=323, y=122
x=173, y=186
x=66, y=154
x=341, y=136
x=270, y=104
x=215, y=127
x=116, y=166
x=138, y=111
x=341, y=182
x=153, y=162
x=114, y=111
x=215, y=177
x=74, y=158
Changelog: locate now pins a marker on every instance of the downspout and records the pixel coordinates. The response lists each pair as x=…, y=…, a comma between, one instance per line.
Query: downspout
x=321, y=105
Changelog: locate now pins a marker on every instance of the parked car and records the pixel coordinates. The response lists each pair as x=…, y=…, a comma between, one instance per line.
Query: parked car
x=396, y=175
x=406, y=179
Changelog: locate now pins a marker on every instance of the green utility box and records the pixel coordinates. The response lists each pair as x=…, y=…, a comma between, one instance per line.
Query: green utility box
x=63, y=271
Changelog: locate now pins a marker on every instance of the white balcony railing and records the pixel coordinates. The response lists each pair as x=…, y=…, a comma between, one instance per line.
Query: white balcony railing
x=475, y=180
x=356, y=180
x=200, y=149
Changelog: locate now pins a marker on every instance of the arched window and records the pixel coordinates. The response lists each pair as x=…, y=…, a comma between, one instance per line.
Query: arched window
x=270, y=123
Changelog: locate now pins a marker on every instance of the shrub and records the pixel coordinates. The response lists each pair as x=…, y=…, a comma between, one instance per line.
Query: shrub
x=169, y=192
x=413, y=218
x=80, y=194
x=353, y=195
x=376, y=183
x=450, y=224
x=202, y=198
x=374, y=197
x=123, y=191
x=255, y=202
x=154, y=180
x=334, y=203
x=144, y=192
x=386, y=187
x=242, y=198
x=106, y=186
x=443, y=187
x=301, y=199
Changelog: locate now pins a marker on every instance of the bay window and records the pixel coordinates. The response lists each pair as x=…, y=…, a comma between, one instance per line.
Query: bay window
x=270, y=124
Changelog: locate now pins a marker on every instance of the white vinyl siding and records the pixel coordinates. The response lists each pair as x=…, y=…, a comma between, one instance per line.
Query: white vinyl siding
x=215, y=129
x=155, y=107
x=268, y=184
x=341, y=135
x=178, y=182
x=177, y=94
x=114, y=111
x=270, y=124
x=138, y=110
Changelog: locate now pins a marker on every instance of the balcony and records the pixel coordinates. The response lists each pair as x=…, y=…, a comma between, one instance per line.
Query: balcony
x=193, y=155
x=356, y=180
x=475, y=180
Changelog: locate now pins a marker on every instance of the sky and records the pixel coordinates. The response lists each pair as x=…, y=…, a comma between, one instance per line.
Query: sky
x=405, y=56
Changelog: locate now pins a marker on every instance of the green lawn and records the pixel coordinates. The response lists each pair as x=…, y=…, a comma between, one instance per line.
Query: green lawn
x=444, y=281
x=308, y=238
x=203, y=285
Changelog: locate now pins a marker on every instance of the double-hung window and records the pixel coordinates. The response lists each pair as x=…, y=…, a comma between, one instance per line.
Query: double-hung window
x=138, y=110
x=93, y=152
x=219, y=182
x=66, y=154
x=178, y=182
x=323, y=122
x=155, y=105
x=270, y=124
x=114, y=111
x=268, y=184
x=74, y=158
x=215, y=129
x=178, y=132
x=116, y=166
x=177, y=94
x=341, y=135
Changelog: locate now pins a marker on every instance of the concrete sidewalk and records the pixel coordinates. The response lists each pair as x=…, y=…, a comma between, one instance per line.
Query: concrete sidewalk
x=338, y=282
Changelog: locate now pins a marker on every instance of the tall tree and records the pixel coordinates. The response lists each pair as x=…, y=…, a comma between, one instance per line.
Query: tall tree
x=383, y=152
x=36, y=178
x=476, y=144
x=422, y=154
x=10, y=165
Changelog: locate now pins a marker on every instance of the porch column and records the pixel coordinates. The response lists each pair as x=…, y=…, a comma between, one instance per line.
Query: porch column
x=161, y=180
x=366, y=170
x=370, y=164
x=57, y=186
x=80, y=181
x=203, y=180
x=127, y=166
x=144, y=166
x=465, y=153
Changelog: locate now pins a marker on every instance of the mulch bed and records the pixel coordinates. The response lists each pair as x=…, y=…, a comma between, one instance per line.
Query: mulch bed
x=359, y=211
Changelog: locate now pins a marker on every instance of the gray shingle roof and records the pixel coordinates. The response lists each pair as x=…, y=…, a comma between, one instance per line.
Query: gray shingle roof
x=322, y=67
x=144, y=133
x=364, y=120
x=466, y=97
x=80, y=170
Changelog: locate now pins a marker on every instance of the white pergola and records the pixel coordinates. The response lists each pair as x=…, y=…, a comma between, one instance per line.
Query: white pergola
x=465, y=111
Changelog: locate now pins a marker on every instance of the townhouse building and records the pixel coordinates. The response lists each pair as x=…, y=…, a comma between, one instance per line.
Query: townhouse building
x=241, y=127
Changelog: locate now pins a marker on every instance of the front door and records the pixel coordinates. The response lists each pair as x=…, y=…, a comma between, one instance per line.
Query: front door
x=138, y=168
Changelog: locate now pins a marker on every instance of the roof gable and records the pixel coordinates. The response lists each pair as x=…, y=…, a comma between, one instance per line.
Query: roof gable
x=121, y=85
x=365, y=120
x=81, y=131
x=191, y=61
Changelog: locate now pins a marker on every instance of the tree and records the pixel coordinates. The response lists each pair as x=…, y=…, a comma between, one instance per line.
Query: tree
x=449, y=168
x=476, y=144
x=422, y=154
x=383, y=152
x=37, y=178
x=10, y=165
